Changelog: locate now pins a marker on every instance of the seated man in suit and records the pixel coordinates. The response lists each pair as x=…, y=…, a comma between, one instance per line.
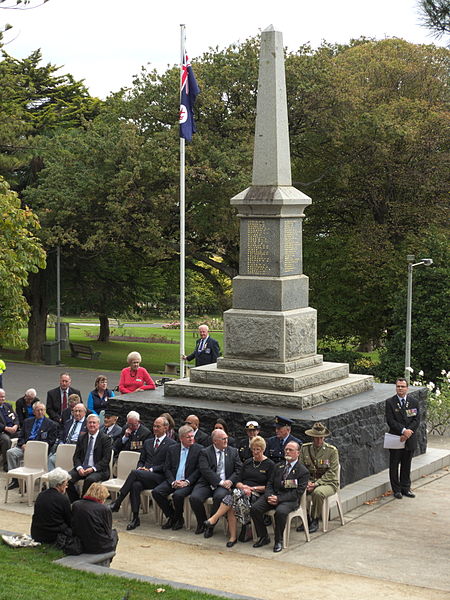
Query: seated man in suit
x=181, y=471
x=207, y=349
x=37, y=428
x=24, y=405
x=277, y=443
x=283, y=494
x=110, y=426
x=91, y=458
x=133, y=435
x=71, y=430
x=219, y=468
x=58, y=398
x=149, y=472
x=201, y=437
x=9, y=424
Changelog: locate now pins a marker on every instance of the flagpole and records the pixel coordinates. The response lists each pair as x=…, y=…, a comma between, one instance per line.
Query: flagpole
x=182, y=221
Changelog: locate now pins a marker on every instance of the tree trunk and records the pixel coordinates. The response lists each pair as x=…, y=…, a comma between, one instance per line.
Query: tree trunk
x=37, y=298
x=103, y=335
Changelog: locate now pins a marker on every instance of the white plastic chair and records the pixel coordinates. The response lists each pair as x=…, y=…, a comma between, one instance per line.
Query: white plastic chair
x=63, y=459
x=34, y=466
x=329, y=502
x=126, y=462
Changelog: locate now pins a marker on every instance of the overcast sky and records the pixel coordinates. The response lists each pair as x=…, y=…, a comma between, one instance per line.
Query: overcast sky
x=105, y=42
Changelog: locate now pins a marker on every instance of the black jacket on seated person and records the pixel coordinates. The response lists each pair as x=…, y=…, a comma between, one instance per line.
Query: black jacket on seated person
x=52, y=515
x=92, y=523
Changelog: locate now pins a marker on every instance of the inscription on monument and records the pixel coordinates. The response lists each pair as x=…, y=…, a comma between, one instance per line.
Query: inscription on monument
x=292, y=246
x=258, y=257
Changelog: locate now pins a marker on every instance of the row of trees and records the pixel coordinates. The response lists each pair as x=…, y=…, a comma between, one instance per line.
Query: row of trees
x=369, y=127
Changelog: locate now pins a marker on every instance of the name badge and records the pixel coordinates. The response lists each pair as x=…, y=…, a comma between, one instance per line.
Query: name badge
x=138, y=380
x=43, y=435
x=207, y=351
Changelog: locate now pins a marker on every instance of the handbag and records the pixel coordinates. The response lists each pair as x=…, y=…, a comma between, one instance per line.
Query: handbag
x=69, y=544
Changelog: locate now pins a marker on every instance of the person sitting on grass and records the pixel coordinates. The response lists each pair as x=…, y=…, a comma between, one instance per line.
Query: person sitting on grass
x=135, y=378
x=52, y=513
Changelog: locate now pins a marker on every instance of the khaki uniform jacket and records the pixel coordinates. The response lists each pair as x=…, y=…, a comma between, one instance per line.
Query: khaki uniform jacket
x=322, y=463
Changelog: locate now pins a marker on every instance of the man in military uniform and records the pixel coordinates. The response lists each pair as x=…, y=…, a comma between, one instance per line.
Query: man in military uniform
x=322, y=461
x=252, y=430
x=277, y=443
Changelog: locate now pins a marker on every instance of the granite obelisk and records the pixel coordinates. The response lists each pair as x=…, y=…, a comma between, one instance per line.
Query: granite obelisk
x=270, y=334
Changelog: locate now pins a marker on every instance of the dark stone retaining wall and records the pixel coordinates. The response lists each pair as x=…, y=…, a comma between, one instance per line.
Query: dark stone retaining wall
x=357, y=423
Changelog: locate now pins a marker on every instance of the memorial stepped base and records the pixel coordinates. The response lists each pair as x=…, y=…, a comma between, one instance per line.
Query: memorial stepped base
x=302, y=389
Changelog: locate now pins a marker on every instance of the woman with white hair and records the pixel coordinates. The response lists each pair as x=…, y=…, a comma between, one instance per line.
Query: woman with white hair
x=135, y=378
x=52, y=513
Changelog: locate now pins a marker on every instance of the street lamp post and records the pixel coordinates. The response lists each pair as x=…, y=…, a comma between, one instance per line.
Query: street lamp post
x=411, y=264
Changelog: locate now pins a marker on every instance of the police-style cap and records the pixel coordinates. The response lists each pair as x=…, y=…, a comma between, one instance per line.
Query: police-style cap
x=282, y=422
x=252, y=425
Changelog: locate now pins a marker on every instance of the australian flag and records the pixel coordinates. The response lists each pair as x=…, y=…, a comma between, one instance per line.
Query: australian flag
x=189, y=92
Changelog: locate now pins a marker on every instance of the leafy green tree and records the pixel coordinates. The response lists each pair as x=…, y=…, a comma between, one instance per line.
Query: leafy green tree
x=20, y=253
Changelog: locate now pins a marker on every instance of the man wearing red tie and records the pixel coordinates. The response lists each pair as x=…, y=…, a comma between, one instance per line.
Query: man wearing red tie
x=57, y=399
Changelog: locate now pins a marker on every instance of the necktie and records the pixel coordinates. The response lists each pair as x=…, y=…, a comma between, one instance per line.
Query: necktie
x=181, y=467
x=35, y=429
x=71, y=432
x=88, y=451
x=156, y=443
x=220, y=463
x=64, y=400
x=287, y=470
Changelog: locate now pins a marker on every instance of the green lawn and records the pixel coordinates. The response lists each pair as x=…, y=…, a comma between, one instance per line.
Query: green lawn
x=114, y=353
x=30, y=574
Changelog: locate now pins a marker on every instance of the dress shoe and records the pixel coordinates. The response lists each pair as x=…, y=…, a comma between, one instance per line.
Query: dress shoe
x=300, y=528
x=263, y=541
x=278, y=547
x=209, y=529
x=408, y=494
x=13, y=485
x=179, y=524
x=168, y=524
x=200, y=529
x=115, y=506
x=230, y=544
x=398, y=495
x=135, y=522
x=314, y=525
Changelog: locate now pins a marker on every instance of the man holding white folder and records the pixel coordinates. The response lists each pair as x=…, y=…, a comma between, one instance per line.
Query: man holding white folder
x=403, y=418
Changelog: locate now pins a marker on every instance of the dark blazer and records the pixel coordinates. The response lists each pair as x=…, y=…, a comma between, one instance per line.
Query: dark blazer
x=12, y=416
x=54, y=402
x=52, y=515
x=47, y=433
x=102, y=452
x=22, y=410
x=208, y=355
x=135, y=442
x=155, y=458
x=202, y=438
x=191, y=470
x=114, y=434
x=208, y=466
x=276, y=486
x=274, y=450
x=399, y=418
x=92, y=523
x=64, y=431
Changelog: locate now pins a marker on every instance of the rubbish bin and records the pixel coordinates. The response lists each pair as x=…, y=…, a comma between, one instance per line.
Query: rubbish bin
x=50, y=353
x=63, y=335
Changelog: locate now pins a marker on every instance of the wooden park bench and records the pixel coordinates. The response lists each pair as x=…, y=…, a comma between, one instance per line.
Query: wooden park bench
x=83, y=351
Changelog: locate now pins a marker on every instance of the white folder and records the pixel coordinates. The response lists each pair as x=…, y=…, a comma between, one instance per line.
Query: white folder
x=392, y=442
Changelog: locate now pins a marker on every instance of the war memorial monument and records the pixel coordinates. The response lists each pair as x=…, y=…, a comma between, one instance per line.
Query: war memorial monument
x=270, y=364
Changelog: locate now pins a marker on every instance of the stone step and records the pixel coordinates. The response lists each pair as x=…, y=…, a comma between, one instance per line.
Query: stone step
x=291, y=382
x=306, y=398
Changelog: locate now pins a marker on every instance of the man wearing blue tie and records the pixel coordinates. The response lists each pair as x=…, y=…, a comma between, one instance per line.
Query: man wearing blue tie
x=182, y=472
x=206, y=349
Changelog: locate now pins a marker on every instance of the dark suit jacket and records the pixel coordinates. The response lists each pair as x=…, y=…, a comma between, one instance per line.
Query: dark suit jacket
x=202, y=438
x=276, y=485
x=399, y=418
x=273, y=449
x=12, y=415
x=64, y=432
x=208, y=355
x=155, y=458
x=52, y=515
x=114, y=434
x=208, y=466
x=135, y=442
x=92, y=523
x=54, y=402
x=21, y=409
x=191, y=470
x=47, y=433
x=102, y=452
